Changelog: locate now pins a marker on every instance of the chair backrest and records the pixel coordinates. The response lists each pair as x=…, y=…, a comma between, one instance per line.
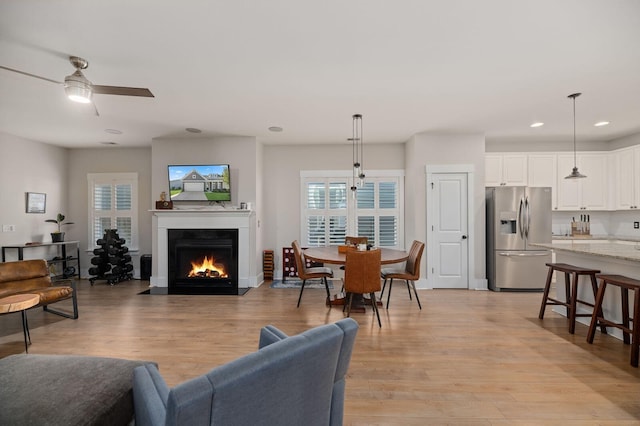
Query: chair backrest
x=24, y=275
x=413, y=263
x=290, y=381
x=354, y=241
x=362, y=271
x=300, y=262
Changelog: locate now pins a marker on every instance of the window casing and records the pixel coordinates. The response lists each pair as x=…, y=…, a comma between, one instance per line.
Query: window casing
x=330, y=212
x=113, y=204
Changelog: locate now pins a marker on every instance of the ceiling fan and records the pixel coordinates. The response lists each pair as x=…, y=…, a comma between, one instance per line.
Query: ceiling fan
x=79, y=89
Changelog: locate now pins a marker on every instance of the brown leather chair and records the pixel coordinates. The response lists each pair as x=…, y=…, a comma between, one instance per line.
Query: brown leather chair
x=362, y=276
x=309, y=273
x=410, y=273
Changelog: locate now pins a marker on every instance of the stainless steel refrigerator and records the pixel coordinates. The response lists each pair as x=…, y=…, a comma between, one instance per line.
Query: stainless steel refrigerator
x=516, y=217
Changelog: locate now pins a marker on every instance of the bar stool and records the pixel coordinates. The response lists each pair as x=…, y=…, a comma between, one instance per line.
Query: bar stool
x=625, y=285
x=571, y=275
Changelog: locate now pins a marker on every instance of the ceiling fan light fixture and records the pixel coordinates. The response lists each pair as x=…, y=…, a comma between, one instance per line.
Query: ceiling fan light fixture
x=78, y=88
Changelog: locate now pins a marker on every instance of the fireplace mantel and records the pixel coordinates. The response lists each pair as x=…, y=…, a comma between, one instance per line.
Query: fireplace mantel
x=242, y=220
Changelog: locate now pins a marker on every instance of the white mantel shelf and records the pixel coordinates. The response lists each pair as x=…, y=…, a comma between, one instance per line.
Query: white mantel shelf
x=204, y=218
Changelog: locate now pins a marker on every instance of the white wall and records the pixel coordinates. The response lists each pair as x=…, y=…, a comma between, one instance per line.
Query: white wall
x=27, y=166
x=241, y=153
x=109, y=160
x=282, y=165
x=445, y=149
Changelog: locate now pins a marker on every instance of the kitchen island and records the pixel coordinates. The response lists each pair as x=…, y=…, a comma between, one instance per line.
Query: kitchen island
x=610, y=256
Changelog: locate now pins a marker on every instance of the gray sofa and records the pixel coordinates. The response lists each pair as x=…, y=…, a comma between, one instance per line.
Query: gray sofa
x=298, y=380
x=66, y=390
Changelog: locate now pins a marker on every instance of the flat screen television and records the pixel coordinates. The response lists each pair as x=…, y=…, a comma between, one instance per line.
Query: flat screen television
x=199, y=182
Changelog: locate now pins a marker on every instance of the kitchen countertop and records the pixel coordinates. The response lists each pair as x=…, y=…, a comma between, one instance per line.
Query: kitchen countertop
x=612, y=248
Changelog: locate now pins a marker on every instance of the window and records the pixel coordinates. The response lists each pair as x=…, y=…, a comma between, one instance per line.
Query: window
x=113, y=201
x=330, y=212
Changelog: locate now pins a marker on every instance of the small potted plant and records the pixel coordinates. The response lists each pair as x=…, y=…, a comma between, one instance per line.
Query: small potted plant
x=58, y=236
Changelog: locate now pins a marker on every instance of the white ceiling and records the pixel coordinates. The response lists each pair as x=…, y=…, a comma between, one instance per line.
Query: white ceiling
x=238, y=67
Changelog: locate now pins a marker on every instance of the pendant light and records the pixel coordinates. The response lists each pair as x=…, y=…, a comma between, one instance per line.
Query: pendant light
x=575, y=174
x=357, y=153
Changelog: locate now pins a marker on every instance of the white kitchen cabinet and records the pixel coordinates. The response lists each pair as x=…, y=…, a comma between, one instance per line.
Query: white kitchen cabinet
x=543, y=171
x=505, y=169
x=590, y=193
x=627, y=178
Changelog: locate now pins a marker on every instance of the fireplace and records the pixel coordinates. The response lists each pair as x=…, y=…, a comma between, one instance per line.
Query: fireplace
x=203, y=261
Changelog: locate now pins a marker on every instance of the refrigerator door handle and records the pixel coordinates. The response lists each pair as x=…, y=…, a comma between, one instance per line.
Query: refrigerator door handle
x=520, y=218
x=527, y=214
x=507, y=254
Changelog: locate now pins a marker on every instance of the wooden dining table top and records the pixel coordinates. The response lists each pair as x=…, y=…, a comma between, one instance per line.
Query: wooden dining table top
x=333, y=256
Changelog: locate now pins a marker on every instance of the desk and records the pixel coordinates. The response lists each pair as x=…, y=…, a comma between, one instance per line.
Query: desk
x=20, y=302
x=332, y=256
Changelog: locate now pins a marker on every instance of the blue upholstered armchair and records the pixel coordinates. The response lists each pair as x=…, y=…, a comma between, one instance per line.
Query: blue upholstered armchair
x=297, y=380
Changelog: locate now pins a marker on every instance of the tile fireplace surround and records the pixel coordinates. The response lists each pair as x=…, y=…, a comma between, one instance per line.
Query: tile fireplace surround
x=242, y=220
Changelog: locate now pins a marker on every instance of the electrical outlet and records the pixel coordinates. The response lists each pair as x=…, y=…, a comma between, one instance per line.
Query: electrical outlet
x=8, y=228
x=636, y=225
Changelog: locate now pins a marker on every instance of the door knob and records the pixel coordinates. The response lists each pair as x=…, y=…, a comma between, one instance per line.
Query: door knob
x=464, y=237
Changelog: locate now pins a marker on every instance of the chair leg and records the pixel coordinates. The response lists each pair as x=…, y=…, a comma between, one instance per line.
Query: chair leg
x=326, y=286
x=349, y=304
x=413, y=284
x=545, y=295
x=301, y=290
x=409, y=289
x=375, y=307
x=384, y=284
x=389, y=294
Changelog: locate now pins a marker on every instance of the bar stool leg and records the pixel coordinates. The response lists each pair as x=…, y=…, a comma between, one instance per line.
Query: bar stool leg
x=635, y=340
x=596, y=309
x=624, y=292
x=594, y=286
x=545, y=295
x=567, y=293
x=573, y=302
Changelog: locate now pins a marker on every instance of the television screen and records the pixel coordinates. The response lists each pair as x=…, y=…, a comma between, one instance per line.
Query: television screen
x=207, y=182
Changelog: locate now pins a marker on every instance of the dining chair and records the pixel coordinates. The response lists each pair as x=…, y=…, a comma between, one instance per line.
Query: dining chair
x=305, y=273
x=362, y=276
x=410, y=273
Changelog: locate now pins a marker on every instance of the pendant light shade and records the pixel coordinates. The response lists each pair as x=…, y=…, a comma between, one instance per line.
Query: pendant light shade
x=575, y=174
x=357, y=153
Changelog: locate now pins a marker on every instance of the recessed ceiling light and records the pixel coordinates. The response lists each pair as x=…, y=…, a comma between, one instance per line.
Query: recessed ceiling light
x=601, y=123
x=537, y=124
x=275, y=129
x=114, y=131
x=193, y=130
x=108, y=143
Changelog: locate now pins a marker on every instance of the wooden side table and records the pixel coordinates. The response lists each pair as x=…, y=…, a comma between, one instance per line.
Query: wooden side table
x=20, y=302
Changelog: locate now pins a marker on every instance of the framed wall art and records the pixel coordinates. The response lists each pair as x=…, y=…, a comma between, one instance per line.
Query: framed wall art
x=36, y=202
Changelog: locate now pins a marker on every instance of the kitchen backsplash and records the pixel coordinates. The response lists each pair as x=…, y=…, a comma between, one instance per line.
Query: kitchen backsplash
x=615, y=223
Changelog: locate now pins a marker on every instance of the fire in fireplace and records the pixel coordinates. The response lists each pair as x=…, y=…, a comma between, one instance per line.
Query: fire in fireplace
x=203, y=261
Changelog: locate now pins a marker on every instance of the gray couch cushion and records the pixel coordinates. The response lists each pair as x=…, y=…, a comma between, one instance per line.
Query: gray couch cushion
x=66, y=390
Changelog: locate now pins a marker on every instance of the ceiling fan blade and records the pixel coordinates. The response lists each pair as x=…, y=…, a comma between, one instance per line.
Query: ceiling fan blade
x=30, y=75
x=124, y=91
x=96, y=108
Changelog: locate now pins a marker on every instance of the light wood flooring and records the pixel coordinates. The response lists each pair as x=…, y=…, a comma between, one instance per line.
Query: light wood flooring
x=466, y=358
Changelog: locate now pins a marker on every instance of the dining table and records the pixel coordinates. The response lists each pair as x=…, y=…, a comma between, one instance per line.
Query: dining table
x=335, y=256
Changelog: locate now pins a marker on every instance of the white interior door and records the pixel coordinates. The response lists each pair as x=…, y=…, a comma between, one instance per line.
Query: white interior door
x=448, y=229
